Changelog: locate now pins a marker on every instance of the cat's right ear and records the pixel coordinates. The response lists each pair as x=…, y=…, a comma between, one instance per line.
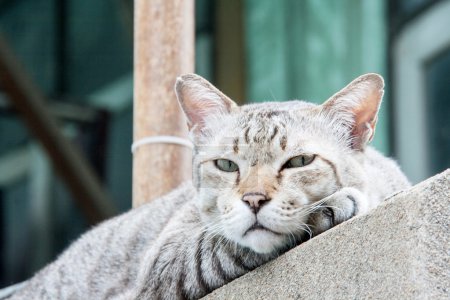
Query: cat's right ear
x=199, y=99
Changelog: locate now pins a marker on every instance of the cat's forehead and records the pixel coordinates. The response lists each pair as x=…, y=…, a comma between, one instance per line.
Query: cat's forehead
x=267, y=113
x=287, y=106
x=259, y=132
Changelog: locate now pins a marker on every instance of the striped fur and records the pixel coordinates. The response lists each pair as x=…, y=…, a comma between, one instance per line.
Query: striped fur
x=205, y=233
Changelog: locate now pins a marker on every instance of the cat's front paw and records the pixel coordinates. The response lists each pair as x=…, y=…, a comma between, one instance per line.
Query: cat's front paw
x=337, y=208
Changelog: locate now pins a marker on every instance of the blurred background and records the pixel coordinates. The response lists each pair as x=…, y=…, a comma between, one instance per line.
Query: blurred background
x=80, y=54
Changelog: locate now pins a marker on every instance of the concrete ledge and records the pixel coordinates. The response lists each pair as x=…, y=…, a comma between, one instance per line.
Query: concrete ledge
x=400, y=250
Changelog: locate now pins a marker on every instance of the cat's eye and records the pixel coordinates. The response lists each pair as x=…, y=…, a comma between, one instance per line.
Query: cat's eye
x=226, y=165
x=299, y=161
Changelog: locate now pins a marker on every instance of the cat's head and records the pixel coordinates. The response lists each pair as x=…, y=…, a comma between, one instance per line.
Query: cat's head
x=260, y=168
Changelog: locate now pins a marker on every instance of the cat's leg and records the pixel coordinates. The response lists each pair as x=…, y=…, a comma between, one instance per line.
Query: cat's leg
x=337, y=208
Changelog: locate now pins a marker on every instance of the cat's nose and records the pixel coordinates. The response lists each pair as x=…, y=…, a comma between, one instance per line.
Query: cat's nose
x=255, y=200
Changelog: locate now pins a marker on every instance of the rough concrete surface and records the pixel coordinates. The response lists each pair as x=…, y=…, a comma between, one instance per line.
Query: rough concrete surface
x=400, y=250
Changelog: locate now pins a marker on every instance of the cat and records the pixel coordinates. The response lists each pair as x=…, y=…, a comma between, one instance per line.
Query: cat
x=266, y=177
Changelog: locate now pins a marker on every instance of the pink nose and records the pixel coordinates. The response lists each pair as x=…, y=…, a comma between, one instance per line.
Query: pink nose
x=255, y=200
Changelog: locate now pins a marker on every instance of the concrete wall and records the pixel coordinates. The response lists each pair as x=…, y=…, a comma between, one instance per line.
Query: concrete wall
x=400, y=250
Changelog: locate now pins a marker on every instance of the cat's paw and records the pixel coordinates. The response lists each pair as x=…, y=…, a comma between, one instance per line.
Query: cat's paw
x=337, y=208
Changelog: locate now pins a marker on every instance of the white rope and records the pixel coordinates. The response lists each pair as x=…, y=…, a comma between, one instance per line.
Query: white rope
x=161, y=139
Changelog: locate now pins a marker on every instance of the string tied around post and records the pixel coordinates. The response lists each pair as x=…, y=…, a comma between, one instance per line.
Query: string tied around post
x=161, y=139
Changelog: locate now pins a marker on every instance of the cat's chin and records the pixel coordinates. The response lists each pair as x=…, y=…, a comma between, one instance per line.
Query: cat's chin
x=262, y=241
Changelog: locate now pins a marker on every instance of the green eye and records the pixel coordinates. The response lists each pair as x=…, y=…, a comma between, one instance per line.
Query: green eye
x=226, y=165
x=299, y=161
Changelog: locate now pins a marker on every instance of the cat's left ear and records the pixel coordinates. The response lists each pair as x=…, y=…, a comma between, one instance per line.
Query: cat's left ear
x=199, y=99
x=356, y=107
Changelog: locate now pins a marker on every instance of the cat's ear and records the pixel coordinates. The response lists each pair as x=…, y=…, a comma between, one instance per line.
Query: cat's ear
x=199, y=99
x=356, y=107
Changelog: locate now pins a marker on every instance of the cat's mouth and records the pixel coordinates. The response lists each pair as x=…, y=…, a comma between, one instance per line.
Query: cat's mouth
x=258, y=226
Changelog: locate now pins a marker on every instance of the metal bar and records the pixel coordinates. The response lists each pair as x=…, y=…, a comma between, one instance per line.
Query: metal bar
x=66, y=158
x=164, y=49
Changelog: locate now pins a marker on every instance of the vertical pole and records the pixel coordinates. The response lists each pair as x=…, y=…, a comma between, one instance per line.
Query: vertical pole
x=229, y=55
x=164, y=49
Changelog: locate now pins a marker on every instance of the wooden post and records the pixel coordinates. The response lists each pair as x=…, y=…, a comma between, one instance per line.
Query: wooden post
x=164, y=49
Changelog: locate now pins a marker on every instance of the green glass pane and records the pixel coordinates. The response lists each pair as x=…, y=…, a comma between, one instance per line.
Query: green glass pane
x=311, y=49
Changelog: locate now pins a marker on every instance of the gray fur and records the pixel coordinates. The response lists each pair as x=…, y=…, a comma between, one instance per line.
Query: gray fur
x=203, y=234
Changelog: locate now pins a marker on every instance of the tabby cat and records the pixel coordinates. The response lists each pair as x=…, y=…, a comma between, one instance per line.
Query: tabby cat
x=265, y=178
